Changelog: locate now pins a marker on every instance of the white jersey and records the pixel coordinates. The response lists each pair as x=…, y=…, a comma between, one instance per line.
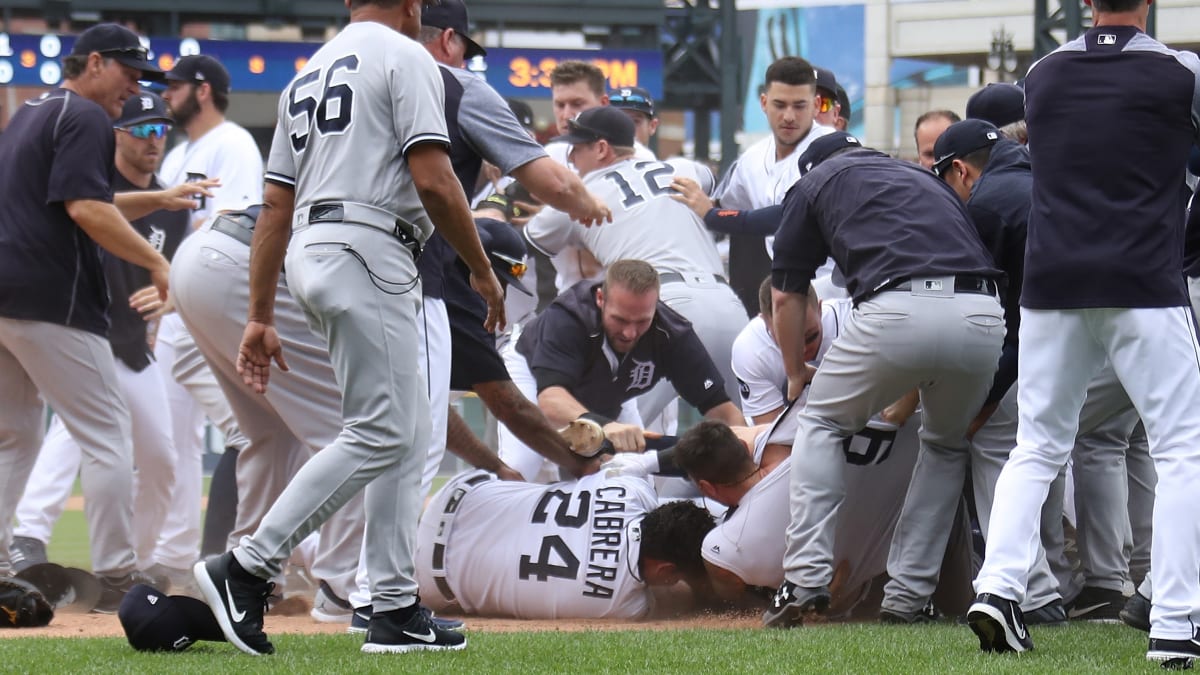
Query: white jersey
x=647, y=224
x=757, y=179
x=750, y=541
x=228, y=152
x=366, y=84
x=529, y=551
x=758, y=363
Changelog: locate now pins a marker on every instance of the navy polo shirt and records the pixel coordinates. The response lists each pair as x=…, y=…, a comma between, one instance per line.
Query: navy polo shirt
x=164, y=230
x=1112, y=116
x=473, y=355
x=58, y=147
x=565, y=346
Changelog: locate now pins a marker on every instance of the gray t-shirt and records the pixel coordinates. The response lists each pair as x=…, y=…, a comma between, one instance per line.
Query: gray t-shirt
x=348, y=118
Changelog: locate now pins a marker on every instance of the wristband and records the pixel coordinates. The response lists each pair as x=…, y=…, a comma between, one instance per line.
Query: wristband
x=596, y=417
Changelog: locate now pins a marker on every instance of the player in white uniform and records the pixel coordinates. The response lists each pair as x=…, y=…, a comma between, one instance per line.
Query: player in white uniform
x=582, y=549
x=650, y=226
x=765, y=171
x=750, y=469
x=371, y=97
x=215, y=149
x=758, y=364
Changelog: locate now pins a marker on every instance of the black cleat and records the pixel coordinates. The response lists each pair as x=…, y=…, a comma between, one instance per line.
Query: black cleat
x=362, y=618
x=113, y=590
x=792, y=602
x=1051, y=614
x=236, y=602
x=388, y=633
x=1097, y=605
x=1136, y=612
x=999, y=624
x=1174, y=654
x=927, y=614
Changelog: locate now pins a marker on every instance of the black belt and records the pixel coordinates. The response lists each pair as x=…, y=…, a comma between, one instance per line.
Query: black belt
x=240, y=226
x=439, y=549
x=668, y=277
x=962, y=284
x=335, y=212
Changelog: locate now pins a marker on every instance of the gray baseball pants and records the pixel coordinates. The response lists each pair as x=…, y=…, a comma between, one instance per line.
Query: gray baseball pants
x=75, y=373
x=359, y=289
x=301, y=411
x=947, y=345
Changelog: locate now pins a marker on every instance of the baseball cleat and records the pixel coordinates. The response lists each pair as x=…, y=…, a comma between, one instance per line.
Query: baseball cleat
x=792, y=602
x=1097, y=605
x=586, y=438
x=362, y=617
x=1136, y=612
x=1051, y=614
x=1174, y=654
x=237, y=601
x=999, y=624
x=387, y=635
x=26, y=552
x=329, y=608
x=925, y=615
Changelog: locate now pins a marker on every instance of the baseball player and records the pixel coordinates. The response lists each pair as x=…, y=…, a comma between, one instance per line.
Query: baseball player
x=926, y=316
x=591, y=548
x=56, y=159
x=216, y=148
x=1103, y=280
x=748, y=470
x=140, y=136
x=764, y=171
x=929, y=126
x=600, y=345
x=677, y=246
x=370, y=97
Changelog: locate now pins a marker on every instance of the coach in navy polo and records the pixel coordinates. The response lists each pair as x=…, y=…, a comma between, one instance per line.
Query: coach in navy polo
x=599, y=345
x=56, y=173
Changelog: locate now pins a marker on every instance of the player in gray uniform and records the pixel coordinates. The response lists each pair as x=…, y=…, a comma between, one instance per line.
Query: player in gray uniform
x=676, y=245
x=371, y=97
x=592, y=548
x=926, y=316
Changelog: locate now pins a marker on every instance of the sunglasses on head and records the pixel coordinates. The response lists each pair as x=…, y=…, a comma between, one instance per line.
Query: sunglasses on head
x=141, y=52
x=515, y=267
x=155, y=129
x=632, y=98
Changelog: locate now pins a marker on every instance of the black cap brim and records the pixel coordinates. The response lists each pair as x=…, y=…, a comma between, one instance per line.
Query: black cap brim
x=576, y=137
x=512, y=281
x=473, y=48
x=150, y=72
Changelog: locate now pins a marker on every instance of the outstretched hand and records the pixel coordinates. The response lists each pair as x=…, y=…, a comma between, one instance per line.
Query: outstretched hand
x=260, y=345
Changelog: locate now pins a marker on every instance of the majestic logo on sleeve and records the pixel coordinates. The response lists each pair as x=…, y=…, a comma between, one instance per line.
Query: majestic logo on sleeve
x=642, y=375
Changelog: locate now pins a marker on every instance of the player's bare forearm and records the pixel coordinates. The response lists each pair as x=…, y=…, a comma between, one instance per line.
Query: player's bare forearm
x=272, y=231
x=561, y=188
x=559, y=406
x=134, y=205
x=465, y=445
x=109, y=229
x=526, y=421
x=790, y=310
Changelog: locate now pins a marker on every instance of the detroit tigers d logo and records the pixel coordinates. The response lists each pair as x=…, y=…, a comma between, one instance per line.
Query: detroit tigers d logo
x=641, y=376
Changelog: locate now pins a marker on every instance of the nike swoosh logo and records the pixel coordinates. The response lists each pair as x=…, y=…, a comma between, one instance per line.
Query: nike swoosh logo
x=1077, y=612
x=1018, y=624
x=423, y=637
x=233, y=610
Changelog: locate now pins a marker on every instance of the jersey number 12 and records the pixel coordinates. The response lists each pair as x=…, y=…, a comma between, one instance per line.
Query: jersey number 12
x=332, y=109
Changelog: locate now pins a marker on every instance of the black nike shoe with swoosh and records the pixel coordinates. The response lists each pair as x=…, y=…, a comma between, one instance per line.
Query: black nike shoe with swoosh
x=408, y=630
x=999, y=624
x=1174, y=654
x=237, y=600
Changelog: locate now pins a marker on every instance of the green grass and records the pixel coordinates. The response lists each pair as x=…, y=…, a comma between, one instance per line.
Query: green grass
x=865, y=648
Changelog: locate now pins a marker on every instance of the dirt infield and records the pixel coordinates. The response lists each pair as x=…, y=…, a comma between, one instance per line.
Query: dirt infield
x=68, y=625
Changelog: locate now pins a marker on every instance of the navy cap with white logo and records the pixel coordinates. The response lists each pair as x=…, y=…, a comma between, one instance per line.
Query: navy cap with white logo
x=820, y=149
x=154, y=621
x=147, y=106
x=961, y=139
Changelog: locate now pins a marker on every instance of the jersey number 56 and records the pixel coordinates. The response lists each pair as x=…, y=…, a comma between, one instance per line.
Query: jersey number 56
x=330, y=105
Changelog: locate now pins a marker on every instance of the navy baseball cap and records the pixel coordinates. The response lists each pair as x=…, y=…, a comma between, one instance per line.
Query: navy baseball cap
x=155, y=622
x=1000, y=103
x=452, y=14
x=961, y=139
x=827, y=80
x=844, y=100
x=119, y=44
x=505, y=249
x=145, y=107
x=632, y=98
x=197, y=68
x=820, y=150
x=522, y=110
x=604, y=122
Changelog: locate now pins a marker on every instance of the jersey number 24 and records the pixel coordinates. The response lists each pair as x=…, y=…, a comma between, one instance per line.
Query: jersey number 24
x=553, y=545
x=331, y=106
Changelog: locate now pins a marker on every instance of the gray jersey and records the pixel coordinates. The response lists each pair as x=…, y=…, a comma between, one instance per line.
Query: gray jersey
x=366, y=86
x=491, y=134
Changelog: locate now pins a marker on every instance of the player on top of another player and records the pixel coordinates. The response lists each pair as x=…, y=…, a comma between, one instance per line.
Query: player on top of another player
x=592, y=548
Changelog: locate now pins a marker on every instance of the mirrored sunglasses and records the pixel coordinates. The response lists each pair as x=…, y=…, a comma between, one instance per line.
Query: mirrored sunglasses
x=825, y=104
x=156, y=129
x=517, y=268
